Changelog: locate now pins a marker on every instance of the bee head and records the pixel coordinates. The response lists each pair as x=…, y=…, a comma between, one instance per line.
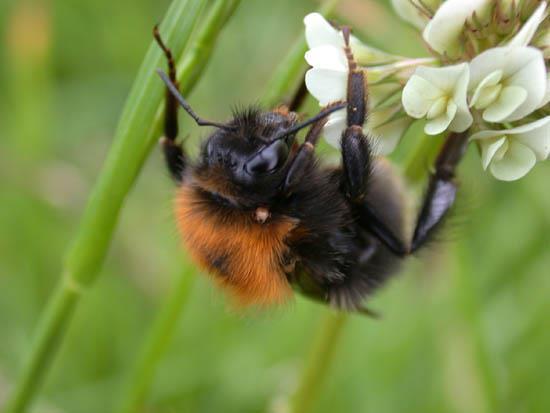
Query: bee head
x=246, y=159
x=252, y=149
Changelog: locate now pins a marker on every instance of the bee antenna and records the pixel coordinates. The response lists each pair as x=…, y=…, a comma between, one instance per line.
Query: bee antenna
x=333, y=107
x=200, y=121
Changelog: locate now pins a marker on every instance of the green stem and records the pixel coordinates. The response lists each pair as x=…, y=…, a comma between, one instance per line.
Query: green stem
x=416, y=165
x=155, y=345
x=331, y=326
x=464, y=291
x=58, y=314
x=319, y=362
x=134, y=138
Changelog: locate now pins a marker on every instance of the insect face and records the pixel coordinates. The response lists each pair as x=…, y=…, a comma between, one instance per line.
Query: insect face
x=250, y=152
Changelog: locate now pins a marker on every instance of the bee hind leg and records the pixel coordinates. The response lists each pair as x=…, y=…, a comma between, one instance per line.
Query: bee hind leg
x=442, y=188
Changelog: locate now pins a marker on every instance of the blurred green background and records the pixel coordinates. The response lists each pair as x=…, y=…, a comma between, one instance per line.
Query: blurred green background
x=465, y=328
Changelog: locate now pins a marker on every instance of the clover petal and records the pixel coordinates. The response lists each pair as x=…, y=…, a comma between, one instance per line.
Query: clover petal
x=386, y=127
x=327, y=57
x=498, y=74
x=509, y=99
x=383, y=132
x=334, y=127
x=489, y=148
x=384, y=138
x=389, y=134
x=525, y=35
x=546, y=98
x=511, y=153
x=319, y=32
x=419, y=95
x=487, y=90
x=440, y=123
x=439, y=94
x=514, y=164
x=536, y=136
x=326, y=85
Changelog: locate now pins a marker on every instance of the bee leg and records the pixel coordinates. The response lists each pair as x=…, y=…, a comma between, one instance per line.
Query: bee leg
x=357, y=164
x=442, y=189
x=355, y=148
x=173, y=152
x=357, y=155
x=303, y=157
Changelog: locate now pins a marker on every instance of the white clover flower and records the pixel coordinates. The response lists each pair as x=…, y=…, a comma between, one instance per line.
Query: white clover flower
x=510, y=154
x=439, y=95
x=525, y=35
x=507, y=83
x=443, y=32
x=504, y=84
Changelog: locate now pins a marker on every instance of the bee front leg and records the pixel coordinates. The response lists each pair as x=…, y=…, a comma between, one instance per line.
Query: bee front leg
x=174, y=155
x=303, y=158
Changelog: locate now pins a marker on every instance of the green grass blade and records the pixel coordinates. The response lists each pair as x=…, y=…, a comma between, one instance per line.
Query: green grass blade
x=163, y=327
x=155, y=345
x=133, y=141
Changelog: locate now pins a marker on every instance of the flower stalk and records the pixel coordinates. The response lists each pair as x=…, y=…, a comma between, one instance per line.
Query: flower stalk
x=134, y=138
x=319, y=361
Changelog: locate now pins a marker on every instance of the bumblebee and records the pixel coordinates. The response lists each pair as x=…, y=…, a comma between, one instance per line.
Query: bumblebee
x=261, y=214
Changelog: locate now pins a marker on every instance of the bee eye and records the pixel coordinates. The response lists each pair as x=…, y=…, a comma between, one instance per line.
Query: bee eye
x=268, y=159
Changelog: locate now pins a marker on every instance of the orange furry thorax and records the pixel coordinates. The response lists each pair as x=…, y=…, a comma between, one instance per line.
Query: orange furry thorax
x=244, y=256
